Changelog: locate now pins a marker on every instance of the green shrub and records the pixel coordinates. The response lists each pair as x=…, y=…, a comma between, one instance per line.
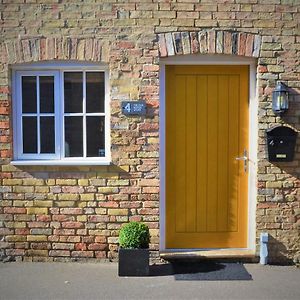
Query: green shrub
x=134, y=235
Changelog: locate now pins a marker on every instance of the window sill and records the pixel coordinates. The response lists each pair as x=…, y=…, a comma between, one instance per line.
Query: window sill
x=61, y=162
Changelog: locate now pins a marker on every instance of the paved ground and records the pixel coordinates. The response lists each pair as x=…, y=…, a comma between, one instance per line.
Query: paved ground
x=100, y=281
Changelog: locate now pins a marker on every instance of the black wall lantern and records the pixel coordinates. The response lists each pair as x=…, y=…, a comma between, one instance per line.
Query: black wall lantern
x=280, y=99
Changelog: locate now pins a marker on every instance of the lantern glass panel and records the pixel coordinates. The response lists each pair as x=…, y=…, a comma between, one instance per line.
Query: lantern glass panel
x=280, y=99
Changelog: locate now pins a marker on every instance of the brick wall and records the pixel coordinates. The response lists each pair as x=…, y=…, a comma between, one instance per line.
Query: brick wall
x=63, y=213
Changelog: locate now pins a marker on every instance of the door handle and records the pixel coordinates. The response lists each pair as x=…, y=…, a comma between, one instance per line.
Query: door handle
x=245, y=159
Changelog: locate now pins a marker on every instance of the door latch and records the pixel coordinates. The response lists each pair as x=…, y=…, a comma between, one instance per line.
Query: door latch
x=245, y=159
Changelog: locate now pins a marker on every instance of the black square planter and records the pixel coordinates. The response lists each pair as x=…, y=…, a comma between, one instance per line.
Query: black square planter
x=133, y=262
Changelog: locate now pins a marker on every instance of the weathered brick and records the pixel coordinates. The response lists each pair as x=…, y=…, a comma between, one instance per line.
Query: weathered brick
x=15, y=238
x=63, y=246
x=36, y=211
x=64, y=253
x=38, y=231
x=117, y=212
x=14, y=210
x=71, y=211
x=162, y=46
x=37, y=238
x=13, y=182
x=72, y=224
x=82, y=254
x=169, y=44
x=32, y=252
x=66, y=181
x=177, y=42
x=68, y=197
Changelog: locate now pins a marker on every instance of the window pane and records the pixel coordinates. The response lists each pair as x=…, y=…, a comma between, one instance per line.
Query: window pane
x=47, y=135
x=94, y=92
x=28, y=94
x=73, y=91
x=29, y=135
x=73, y=137
x=47, y=94
x=95, y=136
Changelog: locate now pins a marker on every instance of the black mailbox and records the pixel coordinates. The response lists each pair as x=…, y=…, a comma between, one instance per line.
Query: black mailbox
x=281, y=143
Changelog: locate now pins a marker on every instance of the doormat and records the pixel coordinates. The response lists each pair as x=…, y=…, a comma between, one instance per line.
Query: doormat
x=191, y=270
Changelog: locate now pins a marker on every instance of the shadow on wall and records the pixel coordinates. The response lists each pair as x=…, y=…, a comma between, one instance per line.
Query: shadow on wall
x=69, y=172
x=278, y=253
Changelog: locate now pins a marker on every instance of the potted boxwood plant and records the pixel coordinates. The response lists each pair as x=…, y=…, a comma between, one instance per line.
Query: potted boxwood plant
x=134, y=238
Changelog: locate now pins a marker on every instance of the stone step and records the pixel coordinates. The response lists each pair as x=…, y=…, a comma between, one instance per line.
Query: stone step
x=209, y=254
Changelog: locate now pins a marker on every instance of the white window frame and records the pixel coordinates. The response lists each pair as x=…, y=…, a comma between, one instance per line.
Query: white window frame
x=57, y=69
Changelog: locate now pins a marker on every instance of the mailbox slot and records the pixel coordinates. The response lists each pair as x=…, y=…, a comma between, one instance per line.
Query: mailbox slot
x=281, y=141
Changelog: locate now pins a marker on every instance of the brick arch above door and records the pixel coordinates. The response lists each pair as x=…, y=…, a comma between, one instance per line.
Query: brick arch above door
x=53, y=48
x=209, y=42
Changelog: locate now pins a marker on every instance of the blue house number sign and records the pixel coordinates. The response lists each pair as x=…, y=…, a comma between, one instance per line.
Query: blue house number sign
x=134, y=108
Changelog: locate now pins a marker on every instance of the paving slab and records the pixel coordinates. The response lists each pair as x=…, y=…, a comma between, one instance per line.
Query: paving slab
x=101, y=281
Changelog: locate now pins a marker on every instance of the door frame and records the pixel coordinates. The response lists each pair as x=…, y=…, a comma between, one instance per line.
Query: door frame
x=211, y=59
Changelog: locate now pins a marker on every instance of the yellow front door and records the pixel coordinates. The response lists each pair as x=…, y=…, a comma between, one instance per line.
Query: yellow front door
x=206, y=130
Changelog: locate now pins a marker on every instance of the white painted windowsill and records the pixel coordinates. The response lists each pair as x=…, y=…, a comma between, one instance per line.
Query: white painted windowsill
x=61, y=162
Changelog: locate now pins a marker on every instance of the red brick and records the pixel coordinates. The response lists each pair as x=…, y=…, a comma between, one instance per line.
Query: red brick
x=249, y=45
x=262, y=69
x=135, y=218
x=162, y=46
x=15, y=252
x=5, y=153
x=100, y=254
x=151, y=68
x=82, y=254
x=151, y=190
x=149, y=211
x=100, y=239
x=4, y=124
x=4, y=110
x=80, y=246
x=37, y=224
x=242, y=43
x=22, y=231
x=125, y=45
x=43, y=218
x=15, y=210
x=72, y=225
x=64, y=232
x=108, y=204
x=148, y=126
x=40, y=246
x=5, y=139
x=211, y=41
x=63, y=218
x=88, y=239
x=97, y=246
x=266, y=205
x=4, y=90
x=227, y=43
x=98, y=219
x=43, y=49
x=5, y=175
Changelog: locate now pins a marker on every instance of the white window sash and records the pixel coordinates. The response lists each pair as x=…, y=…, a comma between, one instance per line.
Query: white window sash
x=19, y=116
x=59, y=156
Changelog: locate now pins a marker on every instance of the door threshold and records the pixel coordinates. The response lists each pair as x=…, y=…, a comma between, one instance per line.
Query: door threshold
x=208, y=254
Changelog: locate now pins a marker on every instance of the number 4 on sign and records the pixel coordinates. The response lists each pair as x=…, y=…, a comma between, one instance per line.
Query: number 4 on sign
x=127, y=107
